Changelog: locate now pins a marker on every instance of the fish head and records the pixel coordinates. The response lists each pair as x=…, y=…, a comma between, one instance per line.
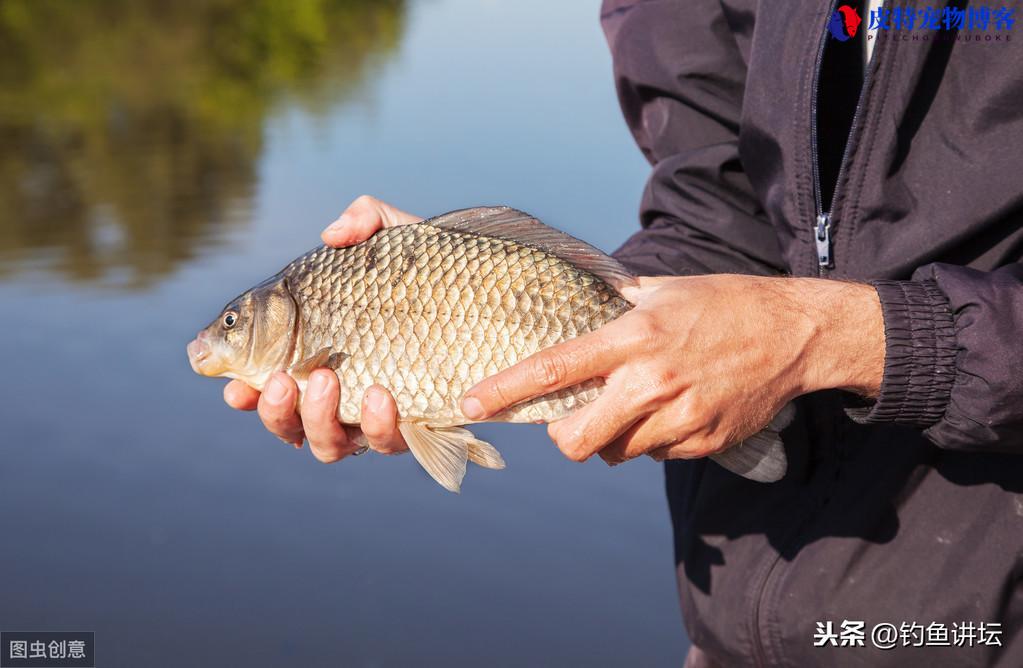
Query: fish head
x=253, y=336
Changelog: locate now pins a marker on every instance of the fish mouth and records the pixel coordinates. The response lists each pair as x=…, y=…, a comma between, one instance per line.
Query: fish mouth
x=199, y=354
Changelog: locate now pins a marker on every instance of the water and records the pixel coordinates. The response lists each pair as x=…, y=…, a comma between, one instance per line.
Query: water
x=158, y=158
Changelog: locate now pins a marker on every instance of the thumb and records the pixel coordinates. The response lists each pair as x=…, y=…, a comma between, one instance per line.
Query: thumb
x=362, y=219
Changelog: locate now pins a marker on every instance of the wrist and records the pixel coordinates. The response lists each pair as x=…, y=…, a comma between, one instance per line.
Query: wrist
x=847, y=349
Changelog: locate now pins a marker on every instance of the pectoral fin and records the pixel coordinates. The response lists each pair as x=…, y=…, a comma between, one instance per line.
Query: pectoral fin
x=324, y=358
x=444, y=452
x=761, y=457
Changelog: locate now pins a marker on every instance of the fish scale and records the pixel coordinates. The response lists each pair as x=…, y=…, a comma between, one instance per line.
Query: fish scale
x=428, y=313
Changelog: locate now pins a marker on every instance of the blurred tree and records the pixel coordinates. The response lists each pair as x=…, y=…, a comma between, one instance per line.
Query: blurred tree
x=131, y=129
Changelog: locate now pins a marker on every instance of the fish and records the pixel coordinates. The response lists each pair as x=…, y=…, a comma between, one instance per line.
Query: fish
x=429, y=309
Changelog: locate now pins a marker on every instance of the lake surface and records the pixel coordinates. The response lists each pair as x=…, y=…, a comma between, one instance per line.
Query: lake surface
x=158, y=158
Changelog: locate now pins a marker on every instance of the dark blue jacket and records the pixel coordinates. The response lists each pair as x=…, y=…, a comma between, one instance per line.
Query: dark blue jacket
x=773, y=155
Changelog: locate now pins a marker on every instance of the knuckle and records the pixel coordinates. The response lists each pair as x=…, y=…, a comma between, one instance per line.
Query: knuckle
x=691, y=416
x=645, y=327
x=665, y=380
x=498, y=395
x=661, y=385
x=277, y=422
x=364, y=201
x=548, y=371
x=282, y=421
x=572, y=445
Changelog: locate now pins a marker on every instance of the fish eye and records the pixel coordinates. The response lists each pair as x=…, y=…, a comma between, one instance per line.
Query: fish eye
x=230, y=318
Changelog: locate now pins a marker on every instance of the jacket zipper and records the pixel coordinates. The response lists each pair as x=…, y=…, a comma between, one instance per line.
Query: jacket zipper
x=822, y=228
x=822, y=239
x=822, y=236
x=822, y=242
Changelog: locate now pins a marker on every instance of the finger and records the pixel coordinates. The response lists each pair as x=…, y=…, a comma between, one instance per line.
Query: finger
x=643, y=286
x=657, y=430
x=614, y=453
x=592, y=427
x=328, y=440
x=656, y=281
x=362, y=219
x=589, y=356
x=380, y=421
x=240, y=396
x=691, y=448
x=277, y=409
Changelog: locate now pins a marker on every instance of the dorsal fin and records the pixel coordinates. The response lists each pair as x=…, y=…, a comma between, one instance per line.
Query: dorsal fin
x=501, y=222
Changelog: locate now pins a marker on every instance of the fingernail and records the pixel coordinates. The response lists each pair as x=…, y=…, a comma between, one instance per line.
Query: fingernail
x=339, y=224
x=318, y=386
x=472, y=408
x=276, y=391
x=375, y=402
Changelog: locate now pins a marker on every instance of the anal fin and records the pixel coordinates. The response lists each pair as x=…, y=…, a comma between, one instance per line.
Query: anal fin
x=761, y=457
x=480, y=452
x=444, y=452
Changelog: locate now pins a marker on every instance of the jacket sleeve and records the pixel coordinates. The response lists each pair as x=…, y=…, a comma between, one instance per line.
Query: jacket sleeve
x=680, y=74
x=954, y=356
x=954, y=335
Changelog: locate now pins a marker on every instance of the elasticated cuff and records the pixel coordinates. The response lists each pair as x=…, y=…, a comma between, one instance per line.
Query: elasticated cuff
x=920, y=355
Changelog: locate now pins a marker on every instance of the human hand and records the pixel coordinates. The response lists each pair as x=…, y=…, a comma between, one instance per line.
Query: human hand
x=316, y=417
x=699, y=364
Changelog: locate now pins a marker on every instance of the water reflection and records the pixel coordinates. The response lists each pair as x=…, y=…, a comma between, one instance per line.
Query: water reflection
x=130, y=130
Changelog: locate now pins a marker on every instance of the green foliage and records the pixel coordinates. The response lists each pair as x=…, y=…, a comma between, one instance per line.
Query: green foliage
x=130, y=129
